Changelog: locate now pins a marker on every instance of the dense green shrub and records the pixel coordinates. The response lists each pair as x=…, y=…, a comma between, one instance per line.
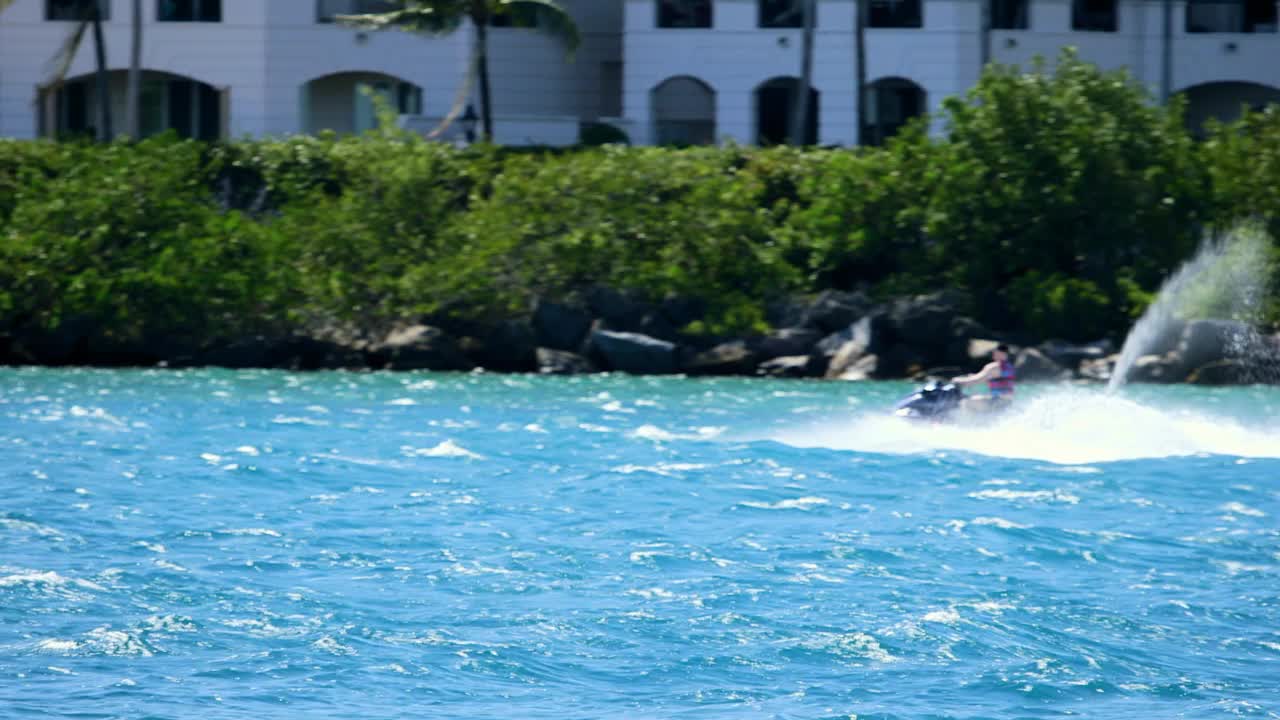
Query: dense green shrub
x=1058, y=199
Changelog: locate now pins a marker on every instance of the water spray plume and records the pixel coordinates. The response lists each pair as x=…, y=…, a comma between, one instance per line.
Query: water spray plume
x=1226, y=280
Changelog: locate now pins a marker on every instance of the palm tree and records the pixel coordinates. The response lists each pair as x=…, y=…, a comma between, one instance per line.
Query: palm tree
x=860, y=50
x=133, y=109
x=800, y=118
x=89, y=19
x=444, y=17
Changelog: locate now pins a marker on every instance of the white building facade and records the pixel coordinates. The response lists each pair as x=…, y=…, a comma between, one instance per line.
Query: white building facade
x=664, y=71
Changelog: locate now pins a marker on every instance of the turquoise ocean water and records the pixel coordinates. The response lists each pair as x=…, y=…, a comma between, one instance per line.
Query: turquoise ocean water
x=218, y=544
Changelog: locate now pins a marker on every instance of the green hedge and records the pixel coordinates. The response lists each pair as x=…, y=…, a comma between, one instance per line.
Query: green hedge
x=1058, y=198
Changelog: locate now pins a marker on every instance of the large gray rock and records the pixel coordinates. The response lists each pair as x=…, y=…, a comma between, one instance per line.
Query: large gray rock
x=873, y=332
x=1207, y=341
x=731, y=358
x=1033, y=365
x=787, y=341
x=848, y=356
x=510, y=346
x=679, y=311
x=833, y=310
x=1071, y=355
x=1099, y=370
x=420, y=347
x=1165, y=368
x=924, y=321
x=560, y=326
x=562, y=362
x=793, y=366
x=1223, y=372
x=867, y=367
x=634, y=353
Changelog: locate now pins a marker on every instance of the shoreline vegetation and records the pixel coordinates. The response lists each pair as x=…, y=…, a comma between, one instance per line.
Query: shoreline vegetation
x=1046, y=216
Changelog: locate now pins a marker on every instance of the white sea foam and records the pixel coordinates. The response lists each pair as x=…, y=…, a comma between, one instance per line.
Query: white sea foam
x=802, y=503
x=1065, y=426
x=448, y=448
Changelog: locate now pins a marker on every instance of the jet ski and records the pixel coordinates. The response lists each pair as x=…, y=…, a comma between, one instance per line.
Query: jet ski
x=934, y=401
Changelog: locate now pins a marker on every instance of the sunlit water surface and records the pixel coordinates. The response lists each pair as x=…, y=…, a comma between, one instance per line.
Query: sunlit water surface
x=220, y=544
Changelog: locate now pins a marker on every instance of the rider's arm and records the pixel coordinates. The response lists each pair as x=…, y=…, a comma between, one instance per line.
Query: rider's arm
x=990, y=371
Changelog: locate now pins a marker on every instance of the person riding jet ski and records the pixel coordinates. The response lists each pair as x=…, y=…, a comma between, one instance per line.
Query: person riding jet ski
x=1000, y=376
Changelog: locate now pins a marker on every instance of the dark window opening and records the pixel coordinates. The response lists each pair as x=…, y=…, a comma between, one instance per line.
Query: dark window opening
x=891, y=104
x=895, y=14
x=1094, y=15
x=1010, y=15
x=210, y=113
x=75, y=109
x=181, y=118
x=1231, y=16
x=684, y=13
x=75, y=9
x=781, y=13
x=408, y=99
x=189, y=11
x=326, y=10
x=775, y=105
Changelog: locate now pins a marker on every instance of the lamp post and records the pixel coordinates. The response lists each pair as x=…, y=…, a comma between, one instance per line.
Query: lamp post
x=469, y=120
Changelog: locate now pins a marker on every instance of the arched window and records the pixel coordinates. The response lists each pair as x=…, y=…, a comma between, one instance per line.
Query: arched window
x=890, y=104
x=684, y=112
x=775, y=107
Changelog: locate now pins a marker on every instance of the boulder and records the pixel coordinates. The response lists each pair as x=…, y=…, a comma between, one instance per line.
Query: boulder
x=924, y=321
x=1070, y=355
x=562, y=362
x=866, y=368
x=633, y=353
x=510, y=346
x=872, y=331
x=787, y=342
x=730, y=358
x=978, y=353
x=559, y=326
x=1099, y=370
x=1165, y=368
x=311, y=353
x=1207, y=341
x=1222, y=372
x=793, y=366
x=1033, y=365
x=786, y=312
x=846, y=357
x=419, y=347
x=833, y=310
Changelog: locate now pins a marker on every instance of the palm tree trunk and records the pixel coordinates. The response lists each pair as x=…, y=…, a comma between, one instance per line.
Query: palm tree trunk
x=482, y=62
x=801, y=109
x=133, y=108
x=860, y=48
x=104, y=87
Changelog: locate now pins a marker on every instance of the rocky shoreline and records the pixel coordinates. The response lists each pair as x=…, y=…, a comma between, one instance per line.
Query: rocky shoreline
x=836, y=335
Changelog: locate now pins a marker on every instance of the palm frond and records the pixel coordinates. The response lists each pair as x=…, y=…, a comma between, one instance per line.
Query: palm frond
x=425, y=18
x=549, y=17
x=61, y=61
